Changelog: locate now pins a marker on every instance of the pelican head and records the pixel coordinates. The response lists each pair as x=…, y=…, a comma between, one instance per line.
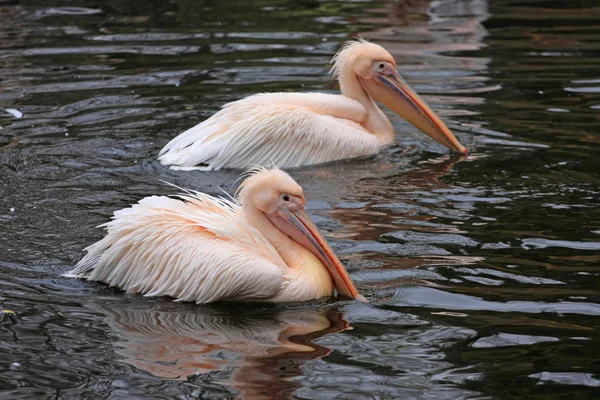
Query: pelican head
x=376, y=72
x=275, y=194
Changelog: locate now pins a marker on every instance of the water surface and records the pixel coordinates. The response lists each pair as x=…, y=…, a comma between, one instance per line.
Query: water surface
x=482, y=273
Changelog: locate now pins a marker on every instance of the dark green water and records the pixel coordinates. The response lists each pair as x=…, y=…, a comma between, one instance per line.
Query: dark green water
x=482, y=274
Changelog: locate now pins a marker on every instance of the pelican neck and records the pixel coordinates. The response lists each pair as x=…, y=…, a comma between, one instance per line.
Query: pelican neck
x=376, y=122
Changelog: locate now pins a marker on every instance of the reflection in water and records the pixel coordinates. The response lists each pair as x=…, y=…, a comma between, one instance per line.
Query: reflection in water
x=504, y=241
x=259, y=355
x=424, y=35
x=384, y=214
x=439, y=26
x=437, y=45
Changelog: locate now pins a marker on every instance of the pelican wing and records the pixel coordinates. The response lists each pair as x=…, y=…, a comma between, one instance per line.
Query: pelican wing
x=197, y=249
x=287, y=129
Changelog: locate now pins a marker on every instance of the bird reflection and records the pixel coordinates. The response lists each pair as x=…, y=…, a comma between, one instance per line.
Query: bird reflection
x=255, y=354
x=390, y=185
x=421, y=30
x=384, y=198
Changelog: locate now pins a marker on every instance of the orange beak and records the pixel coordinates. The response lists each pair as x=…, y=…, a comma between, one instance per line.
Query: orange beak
x=395, y=93
x=300, y=228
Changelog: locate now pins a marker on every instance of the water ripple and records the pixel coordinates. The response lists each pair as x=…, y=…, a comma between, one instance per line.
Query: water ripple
x=129, y=49
x=538, y=243
x=506, y=339
x=479, y=270
x=434, y=298
x=566, y=378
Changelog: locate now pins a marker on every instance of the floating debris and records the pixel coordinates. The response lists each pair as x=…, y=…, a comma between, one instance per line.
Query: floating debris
x=450, y=314
x=14, y=112
x=10, y=314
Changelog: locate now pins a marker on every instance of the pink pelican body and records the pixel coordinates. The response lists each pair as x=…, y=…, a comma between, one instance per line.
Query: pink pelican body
x=261, y=246
x=295, y=129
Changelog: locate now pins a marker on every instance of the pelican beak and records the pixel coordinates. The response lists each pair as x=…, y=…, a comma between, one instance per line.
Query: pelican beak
x=300, y=228
x=395, y=93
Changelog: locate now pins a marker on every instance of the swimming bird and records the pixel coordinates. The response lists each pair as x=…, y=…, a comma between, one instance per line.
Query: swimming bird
x=195, y=247
x=295, y=129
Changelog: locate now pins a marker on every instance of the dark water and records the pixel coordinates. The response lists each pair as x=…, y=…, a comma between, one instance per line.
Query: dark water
x=482, y=273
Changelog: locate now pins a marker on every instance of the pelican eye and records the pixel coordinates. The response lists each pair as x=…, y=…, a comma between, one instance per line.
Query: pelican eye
x=286, y=197
x=382, y=67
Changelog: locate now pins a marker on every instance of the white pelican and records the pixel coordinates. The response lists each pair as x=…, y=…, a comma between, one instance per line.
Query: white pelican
x=204, y=249
x=294, y=129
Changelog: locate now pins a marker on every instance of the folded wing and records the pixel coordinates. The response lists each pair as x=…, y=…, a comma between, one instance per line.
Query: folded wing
x=287, y=129
x=196, y=248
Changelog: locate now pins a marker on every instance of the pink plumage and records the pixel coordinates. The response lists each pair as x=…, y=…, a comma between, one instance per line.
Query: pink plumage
x=295, y=129
x=203, y=249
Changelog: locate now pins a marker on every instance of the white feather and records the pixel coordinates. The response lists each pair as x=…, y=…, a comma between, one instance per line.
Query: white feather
x=287, y=129
x=200, y=248
x=197, y=249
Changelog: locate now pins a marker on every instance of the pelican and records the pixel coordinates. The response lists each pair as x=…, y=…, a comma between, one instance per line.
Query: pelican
x=260, y=246
x=295, y=129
